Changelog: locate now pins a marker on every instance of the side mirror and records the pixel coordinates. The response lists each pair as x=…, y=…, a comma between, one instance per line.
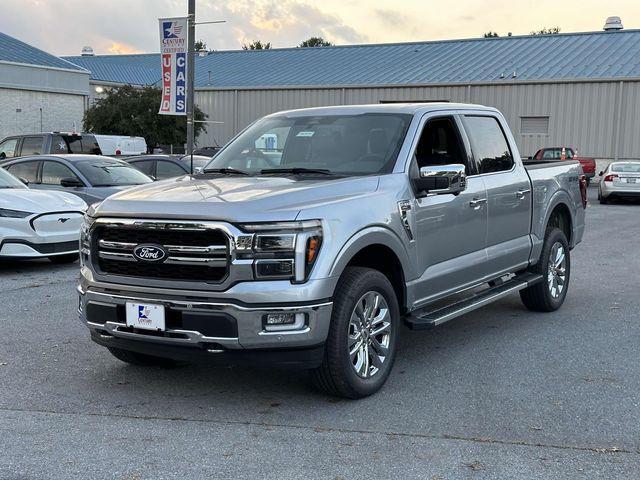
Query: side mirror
x=601, y=173
x=71, y=182
x=441, y=179
x=23, y=180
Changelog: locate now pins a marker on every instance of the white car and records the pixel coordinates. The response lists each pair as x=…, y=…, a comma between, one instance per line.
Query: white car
x=619, y=180
x=38, y=223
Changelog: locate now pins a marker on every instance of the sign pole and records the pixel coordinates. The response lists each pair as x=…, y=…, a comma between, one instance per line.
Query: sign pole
x=190, y=77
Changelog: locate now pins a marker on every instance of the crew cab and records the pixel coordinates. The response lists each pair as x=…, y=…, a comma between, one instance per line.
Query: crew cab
x=49, y=143
x=313, y=254
x=568, y=153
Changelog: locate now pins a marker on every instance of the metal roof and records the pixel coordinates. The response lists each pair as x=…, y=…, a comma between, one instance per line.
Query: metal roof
x=573, y=56
x=15, y=51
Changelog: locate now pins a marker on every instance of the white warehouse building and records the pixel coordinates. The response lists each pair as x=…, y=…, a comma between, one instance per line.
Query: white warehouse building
x=577, y=89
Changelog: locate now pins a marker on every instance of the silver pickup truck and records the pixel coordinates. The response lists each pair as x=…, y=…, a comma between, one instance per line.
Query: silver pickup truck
x=315, y=234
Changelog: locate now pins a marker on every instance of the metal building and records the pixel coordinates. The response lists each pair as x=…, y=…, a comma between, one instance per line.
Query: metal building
x=579, y=89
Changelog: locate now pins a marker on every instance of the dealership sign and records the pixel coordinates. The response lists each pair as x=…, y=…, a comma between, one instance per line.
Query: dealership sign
x=173, y=52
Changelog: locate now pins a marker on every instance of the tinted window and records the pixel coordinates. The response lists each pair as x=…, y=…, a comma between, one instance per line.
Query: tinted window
x=489, y=145
x=9, y=181
x=166, y=169
x=626, y=167
x=107, y=172
x=439, y=144
x=75, y=144
x=8, y=148
x=53, y=172
x=145, y=166
x=31, y=146
x=26, y=170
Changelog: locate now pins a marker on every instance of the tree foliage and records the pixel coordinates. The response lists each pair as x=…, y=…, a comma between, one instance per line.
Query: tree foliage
x=546, y=31
x=490, y=34
x=134, y=111
x=315, y=42
x=256, y=45
x=200, y=45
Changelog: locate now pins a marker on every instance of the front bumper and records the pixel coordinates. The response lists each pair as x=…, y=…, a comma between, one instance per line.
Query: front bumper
x=200, y=327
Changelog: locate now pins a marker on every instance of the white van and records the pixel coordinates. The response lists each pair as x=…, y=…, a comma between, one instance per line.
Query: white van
x=121, y=145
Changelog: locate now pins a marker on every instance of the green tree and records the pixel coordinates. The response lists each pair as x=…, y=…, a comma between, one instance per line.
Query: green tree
x=256, y=45
x=315, y=42
x=200, y=45
x=134, y=111
x=546, y=31
x=490, y=34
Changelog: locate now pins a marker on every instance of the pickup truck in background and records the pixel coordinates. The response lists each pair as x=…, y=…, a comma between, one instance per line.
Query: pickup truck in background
x=568, y=153
x=314, y=253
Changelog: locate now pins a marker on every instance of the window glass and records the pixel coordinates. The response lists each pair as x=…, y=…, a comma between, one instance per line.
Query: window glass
x=31, y=146
x=166, y=169
x=145, y=166
x=439, y=144
x=53, y=172
x=626, y=167
x=75, y=144
x=26, y=170
x=109, y=172
x=8, y=148
x=489, y=144
x=9, y=181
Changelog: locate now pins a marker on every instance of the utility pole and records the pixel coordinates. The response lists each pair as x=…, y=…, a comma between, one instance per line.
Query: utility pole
x=191, y=40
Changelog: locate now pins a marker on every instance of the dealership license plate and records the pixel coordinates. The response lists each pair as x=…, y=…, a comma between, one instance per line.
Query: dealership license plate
x=145, y=315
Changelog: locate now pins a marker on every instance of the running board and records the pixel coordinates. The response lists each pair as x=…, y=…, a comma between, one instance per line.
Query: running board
x=424, y=319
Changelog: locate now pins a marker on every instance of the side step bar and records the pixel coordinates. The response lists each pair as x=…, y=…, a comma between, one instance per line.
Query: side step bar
x=424, y=319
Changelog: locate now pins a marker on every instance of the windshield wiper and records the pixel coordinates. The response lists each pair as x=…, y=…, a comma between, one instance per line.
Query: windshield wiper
x=226, y=170
x=298, y=170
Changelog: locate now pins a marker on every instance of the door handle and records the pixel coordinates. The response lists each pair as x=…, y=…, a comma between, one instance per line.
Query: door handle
x=476, y=203
x=522, y=193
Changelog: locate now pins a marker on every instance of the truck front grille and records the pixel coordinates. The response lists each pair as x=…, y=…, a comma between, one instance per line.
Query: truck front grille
x=199, y=255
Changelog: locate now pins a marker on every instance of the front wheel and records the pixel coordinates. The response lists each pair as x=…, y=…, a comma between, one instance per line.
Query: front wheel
x=555, y=267
x=361, y=345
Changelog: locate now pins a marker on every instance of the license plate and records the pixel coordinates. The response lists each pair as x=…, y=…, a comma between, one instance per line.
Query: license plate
x=631, y=180
x=146, y=316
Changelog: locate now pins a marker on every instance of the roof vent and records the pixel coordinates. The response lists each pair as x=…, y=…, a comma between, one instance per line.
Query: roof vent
x=87, y=51
x=612, y=23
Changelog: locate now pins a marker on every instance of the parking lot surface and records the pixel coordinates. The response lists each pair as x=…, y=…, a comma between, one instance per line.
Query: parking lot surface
x=498, y=393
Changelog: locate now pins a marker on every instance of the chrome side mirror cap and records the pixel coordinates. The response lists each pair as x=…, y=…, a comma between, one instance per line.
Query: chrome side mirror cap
x=442, y=179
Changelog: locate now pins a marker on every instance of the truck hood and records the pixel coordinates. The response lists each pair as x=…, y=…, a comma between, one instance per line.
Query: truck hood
x=234, y=198
x=40, y=201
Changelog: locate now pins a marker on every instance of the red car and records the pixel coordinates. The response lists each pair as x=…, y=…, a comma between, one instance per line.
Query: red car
x=568, y=153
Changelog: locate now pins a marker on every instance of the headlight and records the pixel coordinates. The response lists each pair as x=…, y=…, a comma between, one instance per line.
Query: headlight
x=8, y=213
x=85, y=239
x=281, y=250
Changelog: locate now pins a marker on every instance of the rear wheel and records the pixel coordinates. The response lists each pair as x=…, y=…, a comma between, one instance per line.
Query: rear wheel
x=603, y=200
x=555, y=267
x=140, y=359
x=67, y=258
x=361, y=345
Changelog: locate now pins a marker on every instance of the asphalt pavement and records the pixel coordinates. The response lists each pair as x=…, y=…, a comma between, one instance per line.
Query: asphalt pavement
x=501, y=393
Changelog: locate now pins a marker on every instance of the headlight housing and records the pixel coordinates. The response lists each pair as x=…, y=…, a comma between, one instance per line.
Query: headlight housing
x=281, y=250
x=85, y=239
x=8, y=213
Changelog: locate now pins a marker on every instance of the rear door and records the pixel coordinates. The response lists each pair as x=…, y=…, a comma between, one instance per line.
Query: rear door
x=168, y=169
x=509, y=193
x=32, y=145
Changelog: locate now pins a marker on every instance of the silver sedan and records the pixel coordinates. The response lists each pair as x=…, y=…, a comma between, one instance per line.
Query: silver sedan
x=619, y=180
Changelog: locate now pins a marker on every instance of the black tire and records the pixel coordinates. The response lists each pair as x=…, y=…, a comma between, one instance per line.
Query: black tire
x=539, y=297
x=142, y=360
x=67, y=258
x=337, y=375
x=603, y=200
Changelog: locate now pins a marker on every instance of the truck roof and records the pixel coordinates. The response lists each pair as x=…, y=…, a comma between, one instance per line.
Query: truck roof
x=410, y=108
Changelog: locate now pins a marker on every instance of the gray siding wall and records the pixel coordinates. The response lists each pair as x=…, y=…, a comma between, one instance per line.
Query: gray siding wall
x=600, y=119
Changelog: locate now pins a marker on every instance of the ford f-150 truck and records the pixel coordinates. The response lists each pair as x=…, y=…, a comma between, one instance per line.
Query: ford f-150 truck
x=313, y=235
x=568, y=153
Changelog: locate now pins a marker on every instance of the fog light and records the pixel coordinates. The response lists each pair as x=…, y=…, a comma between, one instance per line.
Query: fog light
x=274, y=268
x=284, y=321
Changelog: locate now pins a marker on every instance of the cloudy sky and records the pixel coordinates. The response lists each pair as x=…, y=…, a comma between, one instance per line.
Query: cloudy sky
x=63, y=27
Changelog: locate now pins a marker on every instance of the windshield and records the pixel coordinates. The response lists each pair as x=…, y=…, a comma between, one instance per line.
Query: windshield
x=9, y=181
x=199, y=161
x=111, y=172
x=626, y=167
x=338, y=144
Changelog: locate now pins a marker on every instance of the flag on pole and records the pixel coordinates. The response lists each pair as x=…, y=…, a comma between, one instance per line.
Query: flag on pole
x=173, y=53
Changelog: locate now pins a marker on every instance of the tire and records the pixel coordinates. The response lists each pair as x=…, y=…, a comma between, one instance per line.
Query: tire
x=142, y=360
x=603, y=200
x=357, y=288
x=67, y=258
x=542, y=297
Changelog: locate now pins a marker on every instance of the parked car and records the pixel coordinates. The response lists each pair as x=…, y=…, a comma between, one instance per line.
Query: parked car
x=121, y=145
x=46, y=143
x=568, y=153
x=619, y=180
x=370, y=216
x=37, y=224
x=167, y=166
x=91, y=177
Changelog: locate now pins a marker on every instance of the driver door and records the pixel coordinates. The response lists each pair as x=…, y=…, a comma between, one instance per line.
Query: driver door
x=451, y=228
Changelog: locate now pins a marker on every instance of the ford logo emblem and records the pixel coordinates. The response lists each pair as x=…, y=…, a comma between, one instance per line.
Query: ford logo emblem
x=149, y=253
